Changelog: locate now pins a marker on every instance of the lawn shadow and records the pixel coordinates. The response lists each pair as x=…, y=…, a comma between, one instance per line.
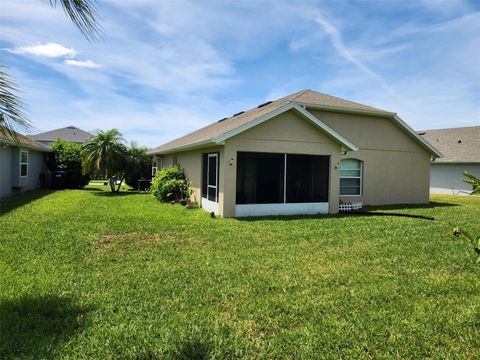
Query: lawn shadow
x=16, y=201
x=121, y=193
x=34, y=326
x=430, y=205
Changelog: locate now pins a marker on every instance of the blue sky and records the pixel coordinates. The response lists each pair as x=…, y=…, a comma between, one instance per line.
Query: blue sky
x=165, y=68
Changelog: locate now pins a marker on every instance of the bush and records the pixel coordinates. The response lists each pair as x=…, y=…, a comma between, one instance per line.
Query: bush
x=68, y=158
x=170, y=184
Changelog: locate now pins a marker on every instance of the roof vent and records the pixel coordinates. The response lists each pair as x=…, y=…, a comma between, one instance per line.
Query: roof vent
x=71, y=127
x=422, y=133
x=264, y=104
x=222, y=119
x=459, y=141
x=241, y=112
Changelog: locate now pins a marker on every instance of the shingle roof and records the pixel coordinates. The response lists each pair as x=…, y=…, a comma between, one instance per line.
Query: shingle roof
x=22, y=140
x=227, y=124
x=456, y=144
x=69, y=133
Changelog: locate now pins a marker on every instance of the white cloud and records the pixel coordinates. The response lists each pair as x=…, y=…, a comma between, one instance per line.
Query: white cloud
x=342, y=50
x=82, y=63
x=51, y=50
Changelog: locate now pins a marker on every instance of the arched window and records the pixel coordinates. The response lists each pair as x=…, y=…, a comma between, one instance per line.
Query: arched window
x=351, y=177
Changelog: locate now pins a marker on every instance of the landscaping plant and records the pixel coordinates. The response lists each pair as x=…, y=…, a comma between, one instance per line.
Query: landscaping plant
x=170, y=184
x=68, y=158
x=458, y=232
x=106, y=153
x=474, y=181
x=138, y=165
x=474, y=241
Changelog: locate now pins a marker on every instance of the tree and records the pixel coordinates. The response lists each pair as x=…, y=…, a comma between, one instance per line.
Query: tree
x=12, y=109
x=138, y=164
x=68, y=158
x=106, y=153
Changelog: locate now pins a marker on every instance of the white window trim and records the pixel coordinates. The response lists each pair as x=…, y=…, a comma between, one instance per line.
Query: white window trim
x=23, y=163
x=353, y=177
x=215, y=155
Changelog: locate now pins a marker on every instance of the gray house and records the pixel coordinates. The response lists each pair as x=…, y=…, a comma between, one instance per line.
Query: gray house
x=21, y=163
x=69, y=133
x=461, y=152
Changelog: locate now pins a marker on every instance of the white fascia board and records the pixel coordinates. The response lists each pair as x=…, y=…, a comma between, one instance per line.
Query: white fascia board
x=192, y=146
x=421, y=140
x=289, y=106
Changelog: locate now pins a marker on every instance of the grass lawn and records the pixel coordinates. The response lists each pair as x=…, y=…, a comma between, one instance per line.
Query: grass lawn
x=84, y=274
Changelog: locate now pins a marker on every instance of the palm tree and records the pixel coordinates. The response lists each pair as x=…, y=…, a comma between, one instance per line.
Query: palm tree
x=106, y=153
x=12, y=109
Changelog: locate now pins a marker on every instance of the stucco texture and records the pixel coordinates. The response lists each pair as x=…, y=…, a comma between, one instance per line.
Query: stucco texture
x=396, y=170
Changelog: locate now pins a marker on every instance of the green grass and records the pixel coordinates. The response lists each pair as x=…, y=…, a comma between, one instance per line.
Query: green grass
x=84, y=274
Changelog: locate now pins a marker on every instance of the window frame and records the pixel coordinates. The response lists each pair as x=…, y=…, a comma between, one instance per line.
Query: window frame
x=158, y=161
x=23, y=163
x=206, y=173
x=360, y=187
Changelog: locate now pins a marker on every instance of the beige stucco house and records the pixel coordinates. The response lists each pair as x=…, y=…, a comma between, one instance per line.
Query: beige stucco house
x=302, y=154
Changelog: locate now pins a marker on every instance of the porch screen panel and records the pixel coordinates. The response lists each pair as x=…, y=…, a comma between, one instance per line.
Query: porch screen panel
x=260, y=178
x=307, y=178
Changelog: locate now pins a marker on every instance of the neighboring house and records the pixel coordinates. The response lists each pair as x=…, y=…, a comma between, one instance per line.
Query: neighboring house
x=69, y=133
x=21, y=164
x=461, y=152
x=302, y=154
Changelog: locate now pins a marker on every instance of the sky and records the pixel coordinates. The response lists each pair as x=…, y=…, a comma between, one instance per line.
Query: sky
x=166, y=68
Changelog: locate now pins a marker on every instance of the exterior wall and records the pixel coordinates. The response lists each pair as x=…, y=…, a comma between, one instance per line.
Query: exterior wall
x=10, y=181
x=5, y=171
x=287, y=133
x=191, y=162
x=448, y=179
x=396, y=170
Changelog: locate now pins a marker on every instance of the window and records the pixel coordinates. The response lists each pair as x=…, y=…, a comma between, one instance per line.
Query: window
x=23, y=163
x=210, y=176
x=154, y=168
x=264, y=178
x=350, y=177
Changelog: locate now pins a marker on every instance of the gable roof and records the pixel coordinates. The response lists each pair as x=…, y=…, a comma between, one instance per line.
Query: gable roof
x=458, y=145
x=23, y=141
x=69, y=133
x=216, y=133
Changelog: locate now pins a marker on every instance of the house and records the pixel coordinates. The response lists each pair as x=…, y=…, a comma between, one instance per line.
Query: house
x=302, y=154
x=21, y=163
x=69, y=133
x=461, y=152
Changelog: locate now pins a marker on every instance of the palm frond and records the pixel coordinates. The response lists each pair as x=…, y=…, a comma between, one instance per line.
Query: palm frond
x=12, y=108
x=83, y=14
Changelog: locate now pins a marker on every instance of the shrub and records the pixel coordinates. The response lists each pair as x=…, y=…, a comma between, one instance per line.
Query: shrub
x=68, y=158
x=170, y=184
